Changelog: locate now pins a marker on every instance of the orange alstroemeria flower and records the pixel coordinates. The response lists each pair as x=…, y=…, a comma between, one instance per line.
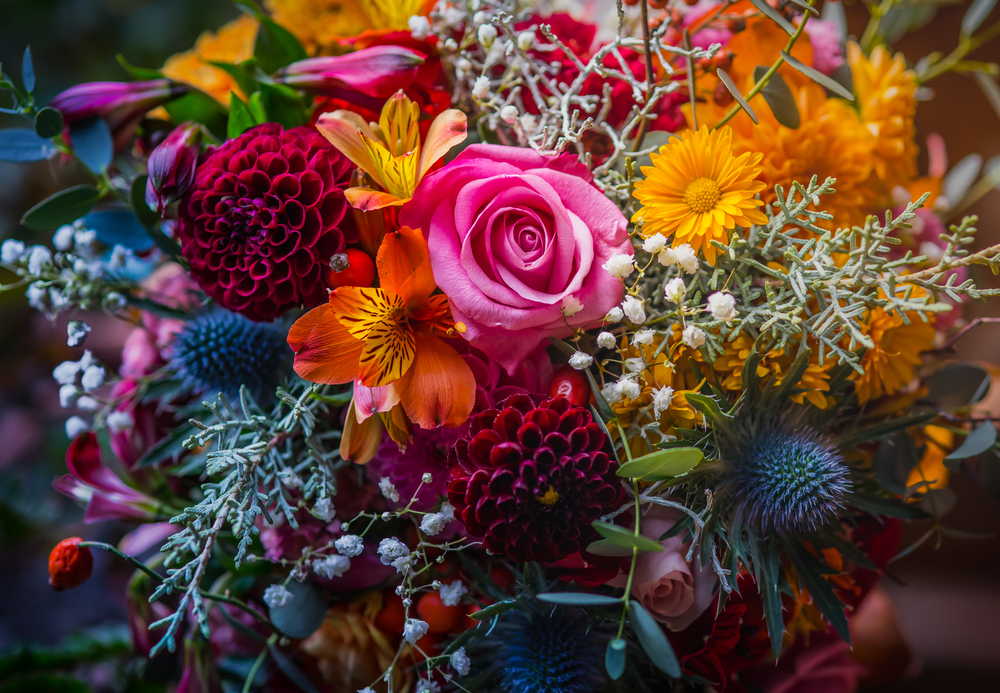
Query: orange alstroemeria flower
x=387, y=339
x=392, y=153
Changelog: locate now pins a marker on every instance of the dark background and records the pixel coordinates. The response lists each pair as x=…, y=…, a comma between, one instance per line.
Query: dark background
x=947, y=598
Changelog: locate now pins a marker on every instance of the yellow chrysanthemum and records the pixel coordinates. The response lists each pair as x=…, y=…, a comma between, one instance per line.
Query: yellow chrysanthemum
x=831, y=141
x=815, y=381
x=233, y=43
x=697, y=190
x=886, y=94
x=315, y=23
x=890, y=364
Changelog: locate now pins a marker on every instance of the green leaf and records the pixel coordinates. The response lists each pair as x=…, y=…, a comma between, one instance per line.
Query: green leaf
x=28, y=71
x=137, y=197
x=653, y=640
x=64, y=207
x=276, y=47
x=956, y=385
x=735, y=91
x=304, y=614
x=603, y=408
x=881, y=430
x=626, y=538
x=614, y=658
x=578, y=598
x=283, y=105
x=92, y=143
x=774, y=16
x=889, y=507
x=893, y=460
x=977, y=13
x=977, y=442
x=257, y=107
x=493, y=610
x=48, y=122
x=707, y=406
x=603, y=547
x=779, y=97
x=806, y=6
x=240, y=119
x=138, y=72
x=563, y=347
x=19, y=145
x=662, y=464
x=811, y=572
x=767, y=564
x=817, y=76
x=247, y=84
x=201, y=108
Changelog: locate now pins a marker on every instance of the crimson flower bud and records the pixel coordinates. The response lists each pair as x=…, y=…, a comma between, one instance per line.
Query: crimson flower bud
x=172, y=166
x=70, y=565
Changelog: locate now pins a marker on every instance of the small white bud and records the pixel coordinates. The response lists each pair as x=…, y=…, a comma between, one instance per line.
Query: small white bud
x=525, y=40
x=92, y=378
x=414, y=630
x=420, y=27
x=655, y=243
x=463, y=65
x=581, y=361
x=39, y=260
x=674, y=290
x=75, y=426
x=68, y=394
x=487, y=35
x=87, y=403
x=63, y=237
x=277, y=596
x=65, y=372
x=509, y=114
x=76, y=332
x=635, y=364
x=619, y=265
x=482, y=88
x=693, y=336
x=11, y=251
x=643, y=337
x=120, y=421
x=331, y=566
x=388, y=489
x=606, y=340
x=114, y=301
x=722, y=306
x=350, y=545
x=614, y=315
x=634, y=310
x=571, y=305
x=451, y=45
x=427, y=477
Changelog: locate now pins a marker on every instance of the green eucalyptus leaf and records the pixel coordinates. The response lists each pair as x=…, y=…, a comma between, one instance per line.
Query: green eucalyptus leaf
x=662, y=464
x=92, y=143
x=614, y=658
x=603, y=547
x=977, y=13
x=780, y=99
x=240, y=118
x=653, y=640
x=818, y=77
x=28, y=71
x=304, y=614
x=578, y=598
x=735, y=91
x=956, y=385
x=20, y=145
x=774, y=16
x=64, y=207
x=626, y=538
x=48, y=122
x=603, y=408
x=893, y=460
x=977, y=442
x=493, y=610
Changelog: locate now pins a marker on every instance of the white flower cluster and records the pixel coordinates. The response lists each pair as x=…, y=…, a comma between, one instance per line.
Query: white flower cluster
x=78, y=381
x=395, y=553
x=433, y=523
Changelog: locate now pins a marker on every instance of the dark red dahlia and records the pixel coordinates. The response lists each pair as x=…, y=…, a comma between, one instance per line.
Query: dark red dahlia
x=265, y=215
x=532, y=476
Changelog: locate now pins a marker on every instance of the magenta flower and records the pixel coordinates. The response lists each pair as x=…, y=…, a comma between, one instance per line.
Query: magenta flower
x=379, y=71
x=172, y=166
x=107, y=497
x=517, y=242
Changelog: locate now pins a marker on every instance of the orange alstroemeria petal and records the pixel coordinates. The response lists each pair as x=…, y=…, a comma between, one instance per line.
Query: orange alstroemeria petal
x=447, y=130
x=368, y=200
x=345, y=131
x=404, y=266
x=325, y=352
x=439, y=389
x=360, y=308
x=360, y=441
x=378, y=318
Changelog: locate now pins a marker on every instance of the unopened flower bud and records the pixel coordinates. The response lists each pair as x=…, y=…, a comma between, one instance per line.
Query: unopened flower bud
x=509, y=114
x=70, y=565
x=172, y=166
x=525, y=40
x=487, y=35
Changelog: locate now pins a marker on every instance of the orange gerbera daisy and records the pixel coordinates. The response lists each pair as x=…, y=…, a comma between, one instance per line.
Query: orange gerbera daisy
x=393, y=156
x=697, y=190
x=388, y=339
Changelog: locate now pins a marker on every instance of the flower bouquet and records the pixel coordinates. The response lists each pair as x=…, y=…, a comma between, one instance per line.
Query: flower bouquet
x=483, y=345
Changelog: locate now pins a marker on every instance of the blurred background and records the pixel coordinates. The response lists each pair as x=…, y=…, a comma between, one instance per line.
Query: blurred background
x=947, y=598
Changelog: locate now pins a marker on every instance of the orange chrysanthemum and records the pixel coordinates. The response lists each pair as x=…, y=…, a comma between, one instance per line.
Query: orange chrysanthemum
x=886, y=91
x=316, y=23
x=232, y=44
x=889, y=365
x=697, y=190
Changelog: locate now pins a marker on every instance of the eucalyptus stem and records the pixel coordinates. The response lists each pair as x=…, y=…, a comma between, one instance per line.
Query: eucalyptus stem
x=871, y=31
x=648, y=49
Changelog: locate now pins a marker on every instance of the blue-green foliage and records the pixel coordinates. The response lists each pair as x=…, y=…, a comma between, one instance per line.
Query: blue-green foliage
x=550, y=652
x=788, y=480
x=219, y=351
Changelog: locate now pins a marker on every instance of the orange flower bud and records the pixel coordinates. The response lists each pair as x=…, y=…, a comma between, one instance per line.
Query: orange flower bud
x=70, y=565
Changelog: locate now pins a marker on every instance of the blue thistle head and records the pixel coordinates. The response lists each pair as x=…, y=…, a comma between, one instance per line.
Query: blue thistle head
x=788, y=480
x=550, y=652
x=219, y=351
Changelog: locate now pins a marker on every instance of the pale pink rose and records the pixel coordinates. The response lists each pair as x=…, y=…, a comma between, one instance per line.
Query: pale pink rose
x=673, y=591
x=511, y=233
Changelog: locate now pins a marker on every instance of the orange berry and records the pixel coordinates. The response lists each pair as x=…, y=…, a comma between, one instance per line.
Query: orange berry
x=70, y=565
x=353, y=267
x=392, y=617
x=440, y=617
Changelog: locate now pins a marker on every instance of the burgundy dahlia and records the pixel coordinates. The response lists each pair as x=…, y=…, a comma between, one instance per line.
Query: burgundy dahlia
x=532, y=476
x=263, y=218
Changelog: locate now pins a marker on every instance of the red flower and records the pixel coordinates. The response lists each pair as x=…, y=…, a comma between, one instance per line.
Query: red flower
x=70, y=565
x=264, y=217
x=532, y=477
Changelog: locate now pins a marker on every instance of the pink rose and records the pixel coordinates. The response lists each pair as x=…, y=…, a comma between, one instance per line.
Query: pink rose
x=673, y=591
x=512, y=234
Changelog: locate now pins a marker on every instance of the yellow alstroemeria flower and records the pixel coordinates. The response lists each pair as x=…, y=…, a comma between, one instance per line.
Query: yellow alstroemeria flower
x=391, y=152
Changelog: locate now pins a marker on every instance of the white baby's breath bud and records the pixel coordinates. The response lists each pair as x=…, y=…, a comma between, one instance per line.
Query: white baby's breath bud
x=643, y=337
x=693, y=336
x=612, y=392
x=11, y=251
x=634, y=310
x=635, y=364
x=451, y=594
x=68, y=394
x=630, y=387
x=619, y=265
x=350, y=545
x=529, y=123
x=39, y=259
x=614, y=315
x=606, y=340
x=92, y=378
x=65, y=373
x=451, y=45
x=391, y=548
x=482, y=88
x=388, y=489
x=113, y=301
x=661, y=399
x=571, y=305
x=722, y=306
x=525, y=40
x=674, y=290
x=480, y=18
x=414, y=630
x=331, y=566
x=420, y=27
x=433, y=523
x=509, y=114
x=38, y=297
x=427, y=477
x=76, y=425
x=453, y=17
x=655, y=243
x=403, y=565
x=277, y=596
x=120, y=421
x=580, y=361
x=460, y=662
x=119, y=257
x=76, y=332
x=87, y=403
x=323, y=509
x=686, y=258
x=487, y=35
x=62, y=239
x=463, y=65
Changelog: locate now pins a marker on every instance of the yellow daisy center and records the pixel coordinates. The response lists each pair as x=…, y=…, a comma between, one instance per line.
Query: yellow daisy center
x=550, y=498
x=701, y=195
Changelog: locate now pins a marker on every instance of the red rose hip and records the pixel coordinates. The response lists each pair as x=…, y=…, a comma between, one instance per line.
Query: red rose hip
x=352, y=267
x=70, y=565
x=572, y=384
